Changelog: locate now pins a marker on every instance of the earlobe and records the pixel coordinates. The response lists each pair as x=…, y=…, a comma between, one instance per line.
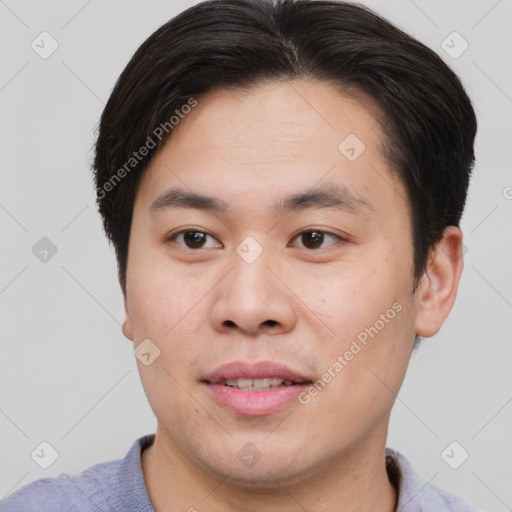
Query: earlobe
x=438, y=288
x=127, y=330
x=127, y=326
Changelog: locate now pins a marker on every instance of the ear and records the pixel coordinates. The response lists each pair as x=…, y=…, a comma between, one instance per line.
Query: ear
x=437, y=290
x=127, y=326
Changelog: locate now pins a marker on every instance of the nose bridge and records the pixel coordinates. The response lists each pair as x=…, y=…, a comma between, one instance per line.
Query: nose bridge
x=251, y=296
x=250, y=275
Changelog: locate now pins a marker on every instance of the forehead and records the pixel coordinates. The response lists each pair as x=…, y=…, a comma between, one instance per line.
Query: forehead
x=274, y=137
x=277, y=116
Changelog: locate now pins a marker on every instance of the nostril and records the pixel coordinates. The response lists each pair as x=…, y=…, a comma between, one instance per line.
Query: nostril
x=271, y=323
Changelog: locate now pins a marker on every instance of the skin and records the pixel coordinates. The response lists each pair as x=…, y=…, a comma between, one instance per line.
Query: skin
x=294, y=304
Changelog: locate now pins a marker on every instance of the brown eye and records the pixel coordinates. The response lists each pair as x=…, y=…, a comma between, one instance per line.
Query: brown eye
x=193, y=239
x=316, y=239
x=312, y=239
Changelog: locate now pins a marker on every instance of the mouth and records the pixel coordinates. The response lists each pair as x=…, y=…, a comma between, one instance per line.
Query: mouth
x=260, y=376
x=262, y=384
x=255, y=389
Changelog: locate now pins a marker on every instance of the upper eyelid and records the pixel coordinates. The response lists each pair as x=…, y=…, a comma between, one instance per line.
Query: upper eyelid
x=316, y=230
x=328, y=233
x=188, y=230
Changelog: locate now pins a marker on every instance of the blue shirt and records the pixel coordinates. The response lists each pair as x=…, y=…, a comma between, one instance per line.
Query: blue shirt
x=118, y=486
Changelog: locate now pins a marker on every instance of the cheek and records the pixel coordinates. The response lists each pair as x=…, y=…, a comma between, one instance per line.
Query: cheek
x=368, y=312
x=351, y=297
x=163, y=301
x=364, y=366
x=165, y=309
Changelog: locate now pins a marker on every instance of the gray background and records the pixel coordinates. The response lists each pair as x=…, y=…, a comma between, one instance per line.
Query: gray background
x=68, y=375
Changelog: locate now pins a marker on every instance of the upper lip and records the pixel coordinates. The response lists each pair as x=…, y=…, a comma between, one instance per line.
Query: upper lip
x=251, y=370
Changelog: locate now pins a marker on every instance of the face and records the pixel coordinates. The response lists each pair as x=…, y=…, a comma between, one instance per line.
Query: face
x=270, y=264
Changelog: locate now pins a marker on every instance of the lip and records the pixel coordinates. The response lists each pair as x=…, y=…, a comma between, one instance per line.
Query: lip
x=255, y=403
x=259, y=370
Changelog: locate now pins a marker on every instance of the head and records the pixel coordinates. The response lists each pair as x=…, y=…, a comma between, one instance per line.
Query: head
x=283, y=181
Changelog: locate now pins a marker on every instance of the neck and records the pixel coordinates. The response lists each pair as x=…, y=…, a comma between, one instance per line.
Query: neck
x=359, y=481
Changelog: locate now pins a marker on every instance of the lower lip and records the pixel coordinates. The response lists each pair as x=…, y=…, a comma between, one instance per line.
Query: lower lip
x=255, y=403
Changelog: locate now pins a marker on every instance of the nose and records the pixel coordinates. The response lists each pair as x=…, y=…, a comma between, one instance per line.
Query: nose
x=252, y=299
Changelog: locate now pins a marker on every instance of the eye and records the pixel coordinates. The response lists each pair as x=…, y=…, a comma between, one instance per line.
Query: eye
x=315, y=238
x=192, y=239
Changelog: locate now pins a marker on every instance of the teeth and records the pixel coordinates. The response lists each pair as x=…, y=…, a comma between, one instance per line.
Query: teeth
x=257, y=384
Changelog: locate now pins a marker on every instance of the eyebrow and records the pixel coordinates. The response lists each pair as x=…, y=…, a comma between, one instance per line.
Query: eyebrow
x=330, y=196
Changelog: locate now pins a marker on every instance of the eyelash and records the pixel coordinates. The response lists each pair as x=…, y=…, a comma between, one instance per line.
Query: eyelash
x=173, y=236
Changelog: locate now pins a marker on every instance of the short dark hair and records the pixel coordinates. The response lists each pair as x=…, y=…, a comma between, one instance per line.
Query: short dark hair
x=429, y=121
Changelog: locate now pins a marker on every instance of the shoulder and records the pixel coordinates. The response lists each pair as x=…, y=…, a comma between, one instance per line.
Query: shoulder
x=117, y=485
x=416, y=495
x=85, y=492
x=440, y=499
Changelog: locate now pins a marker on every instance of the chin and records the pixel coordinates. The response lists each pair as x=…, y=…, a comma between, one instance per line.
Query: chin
x=263, y=478
x=255, y=470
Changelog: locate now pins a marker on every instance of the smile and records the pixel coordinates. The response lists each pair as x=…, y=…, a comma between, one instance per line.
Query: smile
x=264, y=384
x=255, y=389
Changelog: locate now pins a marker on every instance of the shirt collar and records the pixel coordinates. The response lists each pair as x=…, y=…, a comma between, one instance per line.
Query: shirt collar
x=131, y=479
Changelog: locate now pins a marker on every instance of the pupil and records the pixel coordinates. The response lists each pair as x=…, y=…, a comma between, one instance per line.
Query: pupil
x=194, y=239
x=312, y=239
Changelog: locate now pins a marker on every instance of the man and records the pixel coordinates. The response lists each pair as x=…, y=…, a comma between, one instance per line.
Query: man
x=283, y=184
